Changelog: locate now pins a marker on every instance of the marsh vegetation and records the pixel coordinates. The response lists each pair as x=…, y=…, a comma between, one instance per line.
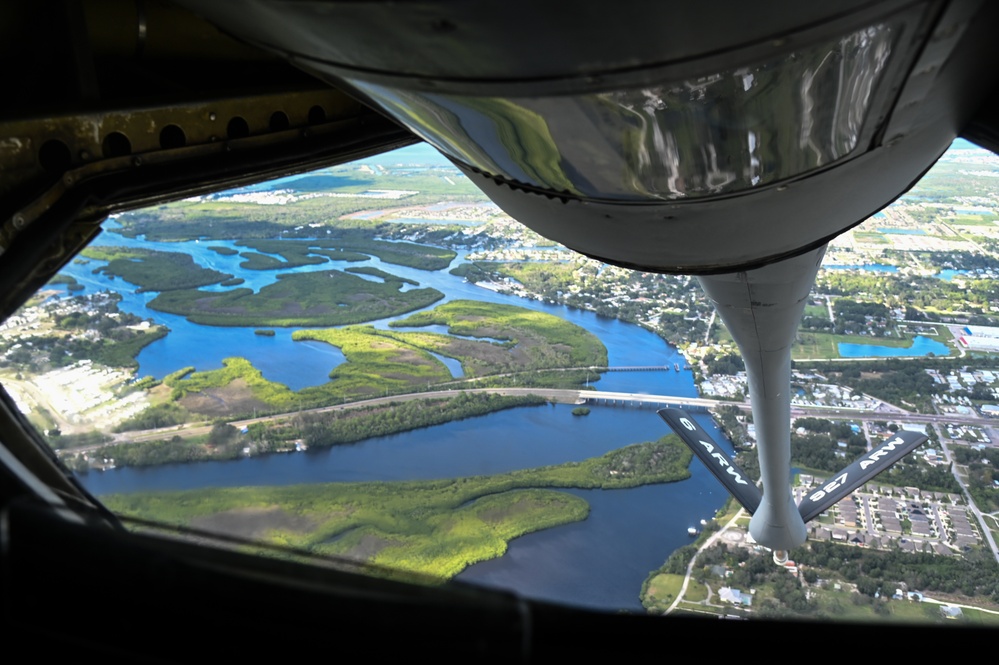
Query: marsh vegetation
x=436, y=527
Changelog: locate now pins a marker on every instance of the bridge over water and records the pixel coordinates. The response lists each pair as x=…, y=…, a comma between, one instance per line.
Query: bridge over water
x=646, y=401
x=639, y=368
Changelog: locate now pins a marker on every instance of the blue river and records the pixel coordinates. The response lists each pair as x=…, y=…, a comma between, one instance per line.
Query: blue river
x=599, y=563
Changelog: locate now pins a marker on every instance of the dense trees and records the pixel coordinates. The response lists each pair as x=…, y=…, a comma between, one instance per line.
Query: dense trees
x=920, y=293
x=912, y=471
x=316, y=429
x=678, y=328
x=975, y=574
x=896, y=380
x=337, y=427
x=152, y=270
x=982, y=474
x=819, y=448
x=729, y=363
x=322, y=298
x=853, y=318
x=154, y=417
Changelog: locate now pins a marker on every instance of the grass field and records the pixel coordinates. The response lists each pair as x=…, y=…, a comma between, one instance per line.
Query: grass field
x=844, y=605
x=696, y=592
x=872, y=237
x=941, y=334
x=826, y=345
x=978, y=618
x=992, y=522
x=720, y=334
x=728, y=511
x=818, y=311
x=972, y=220
x=663, y=589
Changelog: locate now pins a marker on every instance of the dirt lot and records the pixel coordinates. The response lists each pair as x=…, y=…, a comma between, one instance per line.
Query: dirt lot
x=368, y=547
x=227, y=400
x=253, y=523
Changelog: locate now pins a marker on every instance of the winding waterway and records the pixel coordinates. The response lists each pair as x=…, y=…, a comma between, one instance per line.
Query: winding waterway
x=301, y=364
x=600, y=562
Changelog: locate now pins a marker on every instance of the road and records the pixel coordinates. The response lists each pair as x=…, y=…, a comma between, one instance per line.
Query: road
x=967, y=607
x=712, y=539
x=557, y=395
x=986, y=531
x=867, y=435
x=188, y=430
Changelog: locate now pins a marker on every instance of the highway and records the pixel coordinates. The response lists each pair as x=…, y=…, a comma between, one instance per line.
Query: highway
x=565, y=397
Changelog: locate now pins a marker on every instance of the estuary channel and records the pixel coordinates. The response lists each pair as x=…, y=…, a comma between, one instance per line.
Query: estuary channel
x=599, y=563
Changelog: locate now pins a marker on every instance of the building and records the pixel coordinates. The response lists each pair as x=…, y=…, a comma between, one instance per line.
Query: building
x=984, y=338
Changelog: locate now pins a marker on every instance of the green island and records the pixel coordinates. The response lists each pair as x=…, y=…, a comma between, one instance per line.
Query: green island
x=385, y=276
x=375, y=362
x=238, y=387
x=324, y=298
x=119, y=348
x=375, y=365
x=68, y=281
x=257, y=261
x=352, y=425
x=353, y=244
x=319, y=429
x=224, y=251
x=581, y=411
x=264, y=332
x=292, y=253
x=380, y=362
x=474, y=272
x=340, y=254
x=435, y=527
x=153, y=270
x=539, y=340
